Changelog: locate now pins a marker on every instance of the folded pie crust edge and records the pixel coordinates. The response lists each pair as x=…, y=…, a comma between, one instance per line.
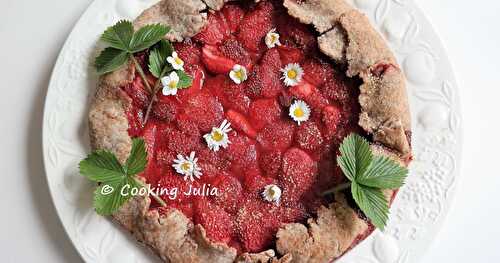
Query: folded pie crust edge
x=347, y=37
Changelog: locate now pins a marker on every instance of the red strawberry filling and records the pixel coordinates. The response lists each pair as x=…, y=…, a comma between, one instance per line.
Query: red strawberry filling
x=267, y=146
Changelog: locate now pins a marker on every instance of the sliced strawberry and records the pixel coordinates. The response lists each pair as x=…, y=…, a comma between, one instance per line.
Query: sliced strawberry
x=253, y=85
x=270, y=73
x=217, y=222
x=339, y=89
x=214, y=60
x=233, y=14
x=296, y=34
x=223, y=24
x=240, y=123
x=230, y=94
x=180, y=143
x=293, y=212
x=317, y=71
x=214, y=84
x=257, y=223
x=135, y=118
x=163, y=131
x=230, y=193
x=198, y=75
x=302, y=90
x=149, y=136
x=308, y=136
x=270, y=162
x=165, y=157
x=155, y=145
x=264, y=111
x=168, y=185
x=232, y=49
x=310, y=94
x=271, y=83
x=290, y=55
x=271, y=59
x=188, y=52
x=277, y=135
x=213, y=33
x=166, y=108
x=255, y=183
x=331, y=118
x=316, y=100
x=242, y=152
x=137, y=92
x=213, y=164
x=187, y=125
x=204, y=110
x=236, y=97
x=298, y=175
x=256, y=24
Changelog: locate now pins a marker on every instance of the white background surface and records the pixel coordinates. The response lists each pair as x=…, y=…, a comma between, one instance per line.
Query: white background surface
x=32, y=32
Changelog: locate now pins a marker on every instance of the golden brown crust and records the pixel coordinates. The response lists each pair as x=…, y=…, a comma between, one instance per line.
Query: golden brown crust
x=322, y=14
x=186, y=17
x=108, y=122
x=325, y=238
x=385, y=113
x=383, y=99
x=333, y=44
x=172, y=236
x=365, y=46
x=346, y=37
x=351, y=40
x=268, y=256
x=215, y=4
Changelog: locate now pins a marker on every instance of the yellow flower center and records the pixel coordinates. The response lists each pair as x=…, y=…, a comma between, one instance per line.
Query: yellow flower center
x=271, y=192
x=186, y=166
x=178, y=61
x=217, y=136
x=172, y=84
x=273, y=38
x=298, y=112
x=292, y=74
x=238, y=74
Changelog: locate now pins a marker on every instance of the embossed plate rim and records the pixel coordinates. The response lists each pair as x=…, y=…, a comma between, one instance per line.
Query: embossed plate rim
x=418, y=212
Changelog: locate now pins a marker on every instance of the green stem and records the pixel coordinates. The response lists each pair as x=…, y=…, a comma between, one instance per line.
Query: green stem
x=337, y=188
x=153, y=96
x=150, y=106
x=141, y=72
x=157, y=198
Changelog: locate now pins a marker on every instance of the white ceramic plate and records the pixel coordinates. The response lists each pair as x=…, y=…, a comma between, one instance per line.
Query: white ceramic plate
x=419, y=209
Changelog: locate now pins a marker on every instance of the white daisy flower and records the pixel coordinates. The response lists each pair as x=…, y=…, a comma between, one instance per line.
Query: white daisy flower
x=238, y=74
x=170, y=84
x=272, y=193
x=272, y=39
x=300, y=111
x=176, y=62
x=187, y=166
x=219, y=136
x=292, y=74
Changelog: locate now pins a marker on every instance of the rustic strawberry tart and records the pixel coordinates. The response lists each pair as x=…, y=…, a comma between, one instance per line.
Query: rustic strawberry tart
x=259, y=111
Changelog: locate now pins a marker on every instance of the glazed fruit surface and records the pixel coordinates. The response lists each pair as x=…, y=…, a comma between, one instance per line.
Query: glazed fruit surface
x=267, y=146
